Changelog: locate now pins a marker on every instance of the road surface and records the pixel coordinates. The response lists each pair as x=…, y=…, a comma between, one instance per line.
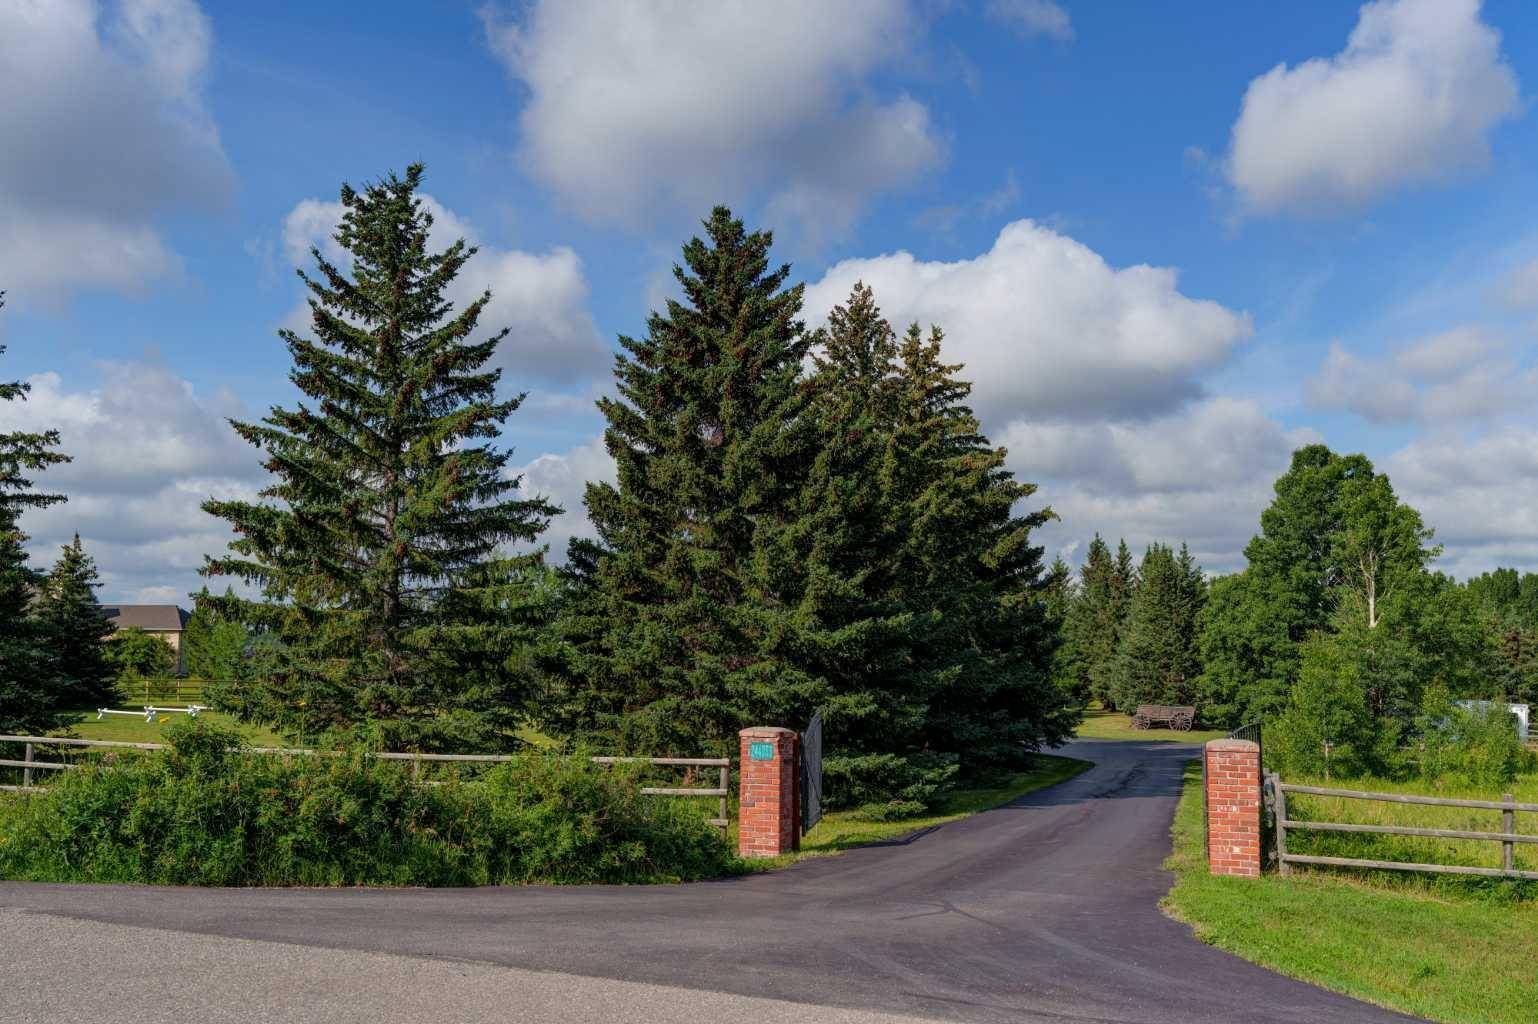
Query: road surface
x=1042, y=911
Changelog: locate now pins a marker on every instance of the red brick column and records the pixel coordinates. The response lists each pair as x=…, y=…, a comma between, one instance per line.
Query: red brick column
x=1233, y=808
x=768, y=816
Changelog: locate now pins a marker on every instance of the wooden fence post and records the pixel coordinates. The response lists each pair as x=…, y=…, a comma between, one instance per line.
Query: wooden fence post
x=1282, y=866
x=1508, y=826
x=26, y=774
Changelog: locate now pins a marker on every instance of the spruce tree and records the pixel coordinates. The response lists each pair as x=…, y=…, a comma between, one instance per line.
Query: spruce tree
x=77, y=628
x=1092, y=626
x=215, y=645
x=1157, y=660
x=377, y=546
x=968, y=556
x=694, y=581
x=30, y=681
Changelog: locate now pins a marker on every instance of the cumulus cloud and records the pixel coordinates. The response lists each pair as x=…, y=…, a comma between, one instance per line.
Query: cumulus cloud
x=1480, y=493
x=631, y=108
x=1463, y=374
x=562, y=478
x=104, y=132
x=1031, y=17
x=1048, y=329
x=1201, y=475
x=1412, y=99
x=148, y=450
x=542, y=297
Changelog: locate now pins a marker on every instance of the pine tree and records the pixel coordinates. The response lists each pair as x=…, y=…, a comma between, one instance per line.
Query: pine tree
x=1157, y=660
x=378, y=548
x=970, y=558
x=695, y=578
x=77, y=628
x=1092, y=625
x=215, y=645
x=30, y=681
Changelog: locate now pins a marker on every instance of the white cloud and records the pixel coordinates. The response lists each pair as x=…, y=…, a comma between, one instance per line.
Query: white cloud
x=1412, y=99
x=1519, y=290
x=104, y=131
x=646, y=106
x=562, y=479
x=1032, y=17
x=1480, y=493
x=147, y=450
x=1463, y=374
x=542, y=297
x=1201, y=475
x=1048, y=329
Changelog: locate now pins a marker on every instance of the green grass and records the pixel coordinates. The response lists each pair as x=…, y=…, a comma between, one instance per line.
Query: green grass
x=1402, y=942
x=122, y=729
x=1100, y=724
x=842, y=830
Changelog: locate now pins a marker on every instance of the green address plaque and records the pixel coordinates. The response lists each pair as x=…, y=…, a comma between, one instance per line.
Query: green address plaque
x=761, y=751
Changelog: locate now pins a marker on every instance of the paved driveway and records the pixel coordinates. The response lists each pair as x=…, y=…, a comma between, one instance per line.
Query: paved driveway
x=1042, y=911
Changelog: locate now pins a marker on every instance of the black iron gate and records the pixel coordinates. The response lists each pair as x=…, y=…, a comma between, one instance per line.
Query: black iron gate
x=811, y=774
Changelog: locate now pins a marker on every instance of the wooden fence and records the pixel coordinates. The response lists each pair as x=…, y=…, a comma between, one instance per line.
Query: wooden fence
x=29, y=764
x=156, y=691
x=1508, y=836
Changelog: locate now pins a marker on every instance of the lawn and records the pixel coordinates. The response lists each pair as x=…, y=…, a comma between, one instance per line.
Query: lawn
x=843, y=830
x=122, y=729
x=1453, y=953
x=1100, y=724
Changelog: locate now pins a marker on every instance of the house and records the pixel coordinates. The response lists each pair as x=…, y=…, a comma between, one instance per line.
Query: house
x=1520, y=713
x=166, y=621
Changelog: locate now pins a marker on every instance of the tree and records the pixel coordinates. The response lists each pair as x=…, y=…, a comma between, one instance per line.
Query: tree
x=215, y=645
x=1327, y=728
x=379, y=547
x=1092, y=626
x=692, y=585
x=136, y=654
x=77, y=628
x=969, y=558
x=30, y=681
x=1158, y=658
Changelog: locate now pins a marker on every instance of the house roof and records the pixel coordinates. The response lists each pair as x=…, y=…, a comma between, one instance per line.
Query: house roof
x=164, y=617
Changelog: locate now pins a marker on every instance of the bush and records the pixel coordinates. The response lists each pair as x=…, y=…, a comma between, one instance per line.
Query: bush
x=888, y=787
x=1473, y=746
x=201, y=813
x=1327, y=729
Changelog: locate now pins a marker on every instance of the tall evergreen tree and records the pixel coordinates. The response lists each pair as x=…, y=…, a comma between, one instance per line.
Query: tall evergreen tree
x=214, y=644
x=968, y=556
x=30, y=681
x=1111, y=623
x=1091, y=626
x=1157, y=660
x=77, y=628
x=693, y=583
x=378, y=545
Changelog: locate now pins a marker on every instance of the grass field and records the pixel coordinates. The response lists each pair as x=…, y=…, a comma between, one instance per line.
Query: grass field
x=1100, y=724
x=1464, y=954
x=121, y=729
x=842, y=830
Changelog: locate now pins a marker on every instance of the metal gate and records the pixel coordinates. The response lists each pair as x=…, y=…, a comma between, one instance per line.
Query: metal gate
x=811, y=774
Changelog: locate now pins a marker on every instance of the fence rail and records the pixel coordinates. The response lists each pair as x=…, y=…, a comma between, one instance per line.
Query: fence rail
x=723, y=765
x=1508, y=836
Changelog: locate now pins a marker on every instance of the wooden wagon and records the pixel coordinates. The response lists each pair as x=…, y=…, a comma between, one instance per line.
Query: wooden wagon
x=1172, y=716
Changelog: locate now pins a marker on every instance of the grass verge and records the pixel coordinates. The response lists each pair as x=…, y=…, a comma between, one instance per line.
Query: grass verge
x=1100, y=724
x=844, y=830
x=1395, y=942
x=122, y=729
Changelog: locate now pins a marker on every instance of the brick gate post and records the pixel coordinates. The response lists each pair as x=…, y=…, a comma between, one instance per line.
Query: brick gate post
x=768, y=814
x=1233, y=808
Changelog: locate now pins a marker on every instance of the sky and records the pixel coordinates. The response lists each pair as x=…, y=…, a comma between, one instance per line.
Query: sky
x=1170, y=243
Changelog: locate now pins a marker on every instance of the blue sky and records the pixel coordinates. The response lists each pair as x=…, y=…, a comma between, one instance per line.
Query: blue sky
x=1170, y=243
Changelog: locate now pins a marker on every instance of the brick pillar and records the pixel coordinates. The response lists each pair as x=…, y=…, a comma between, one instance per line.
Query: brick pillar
x=768, y=816
x=1233, y=808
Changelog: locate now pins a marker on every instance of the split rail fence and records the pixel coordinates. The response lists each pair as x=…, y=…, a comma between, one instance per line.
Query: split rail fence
x=1508, y=836
x=30, y=765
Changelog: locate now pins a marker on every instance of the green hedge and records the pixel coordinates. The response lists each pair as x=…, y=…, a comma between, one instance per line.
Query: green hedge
x=202, y=814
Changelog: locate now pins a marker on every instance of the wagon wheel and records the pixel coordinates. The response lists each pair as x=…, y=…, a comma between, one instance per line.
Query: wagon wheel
x=1140, y=722
x=1183, y=723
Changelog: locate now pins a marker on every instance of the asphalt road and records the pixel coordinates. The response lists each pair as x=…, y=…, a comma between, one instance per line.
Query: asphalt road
x=1042, y=911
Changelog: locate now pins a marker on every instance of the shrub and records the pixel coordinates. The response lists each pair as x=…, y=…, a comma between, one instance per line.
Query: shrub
x=1475, y=746
x=888, y=787
x=202, y=813
x=1328, y=729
